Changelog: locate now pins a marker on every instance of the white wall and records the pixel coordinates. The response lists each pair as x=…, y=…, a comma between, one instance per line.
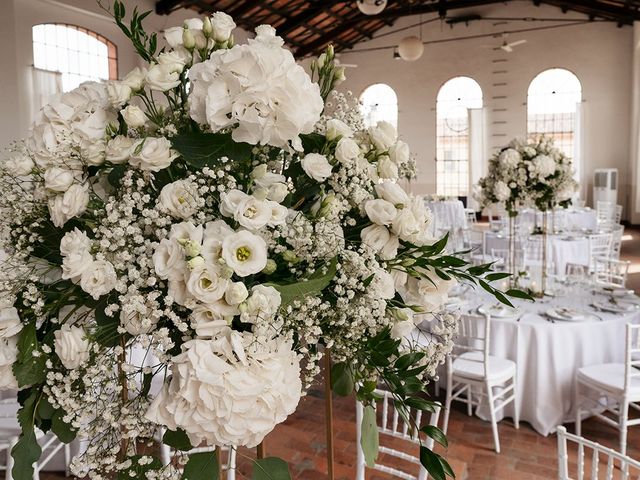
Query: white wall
x=598, y=53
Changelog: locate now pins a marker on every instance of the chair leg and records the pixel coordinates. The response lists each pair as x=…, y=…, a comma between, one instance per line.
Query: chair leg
x=624, y=418
x=578, y=411
x=447, y=405
x=67, y=459
x=494, y=423
x=516, y=404
x=469, y=400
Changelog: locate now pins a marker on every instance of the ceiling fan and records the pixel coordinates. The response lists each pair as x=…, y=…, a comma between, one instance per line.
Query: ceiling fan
x=346, y=65
x=508, y=46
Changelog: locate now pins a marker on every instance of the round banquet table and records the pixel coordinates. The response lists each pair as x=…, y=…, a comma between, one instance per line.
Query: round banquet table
x=576, y=219
x=562, y=249
x=448, y=214
x=548, y=355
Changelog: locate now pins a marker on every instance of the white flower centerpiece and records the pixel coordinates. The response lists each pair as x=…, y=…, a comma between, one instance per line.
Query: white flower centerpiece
x=184, y=245
x=530, y=173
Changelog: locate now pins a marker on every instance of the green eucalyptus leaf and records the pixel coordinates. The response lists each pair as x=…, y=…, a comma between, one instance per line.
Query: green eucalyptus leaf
x=313, y=286
x=29, y=369
x=515, y=293
x=432, y=463
x=270, y=468
x=342, y=379
x=177, y=439
x=206, y=149
x=434, y=432
x=408, y=359
x=369, y=440
x=202, y=466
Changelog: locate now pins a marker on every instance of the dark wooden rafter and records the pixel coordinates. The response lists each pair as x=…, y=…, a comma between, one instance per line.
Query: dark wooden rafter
x=309, y=25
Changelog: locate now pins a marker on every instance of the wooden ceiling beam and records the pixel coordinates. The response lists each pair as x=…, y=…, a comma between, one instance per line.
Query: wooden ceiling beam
x=599, y=9
x=317, y=7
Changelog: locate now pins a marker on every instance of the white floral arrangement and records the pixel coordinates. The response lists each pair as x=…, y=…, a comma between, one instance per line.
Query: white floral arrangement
x=185, y=244
x=526, y=174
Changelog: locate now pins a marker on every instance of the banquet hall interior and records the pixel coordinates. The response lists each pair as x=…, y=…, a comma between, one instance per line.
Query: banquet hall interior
x=468, y=85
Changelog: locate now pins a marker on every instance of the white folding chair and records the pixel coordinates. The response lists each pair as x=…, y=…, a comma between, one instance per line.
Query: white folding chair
x=474, y=373
x=391, y=426
x=590, y=457
x=612, y=388
x=599, y=246
x=616, y=242
x=229, y=466
x=610, y=272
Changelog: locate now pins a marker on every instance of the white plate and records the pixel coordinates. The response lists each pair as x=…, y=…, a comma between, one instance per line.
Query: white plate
x=497, y=310
x=458, y=290
x=619, y=306
x=616, y=291
x=568, y=314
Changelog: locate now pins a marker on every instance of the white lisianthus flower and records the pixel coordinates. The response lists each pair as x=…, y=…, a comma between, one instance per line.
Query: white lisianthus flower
x=74, y=241
x=119, y=149
x=206, y=284
x=175, y=60
x=162, y=78
x=380, y=211
x=316, y=166
x=119, y=92
x=375, y=236
x=75, y=264
x=430, y=292
x=230, y=202
x=277, y=192
x=72, y=346
x=173, y=36
x=8, y=356
x=399, y=152
x=236, y=293
x=10, y=323
x=232, y=390
x=501, y=191
x=99, y=280
x=179, y=199
x=393, y=193
x=401, y=329
x=93, y=151
x=19, y=165
x=58, y=179
x=135, y=79
x=214, y=233
x=337, y=128
x=245, y=253
x=168, y=260
x=71, y=203
x=383, y=135
x=347, y=150
x=406, y=225
x=262, y=305
x=390, y=249
x=133, y=116
x=387, y=169
x=279, y=213
x=252, y=213
x=383, y=284
x=222, y=25
x=212, y=320
x=510, y=159
x=153, y=153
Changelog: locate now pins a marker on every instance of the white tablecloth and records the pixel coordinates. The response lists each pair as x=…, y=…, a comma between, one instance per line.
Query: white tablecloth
x=563, y=219
x=548, y=355
x=448, y=214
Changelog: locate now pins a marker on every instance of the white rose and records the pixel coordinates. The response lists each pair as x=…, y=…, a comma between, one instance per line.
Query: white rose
x=430, y=292
x=133, y=116
x=93, y=151
x=99, y=280
x=392, y=192
x=162, y=78
x=72, y=346
x=390, y=250
x=222, y=25
x=173, y=36
x=337, y=128
x=71, y=203
x=380, y=211
x=119, y=149
x=375, y=236
x=347, y=150
x=383, y=284
x=401, y=329
x=119, y=92
x=230, y=202
x=10, y=323
x=383, y=135
x=316, y=166
x=205, y=283
x=74, y=241
x=75, y=264
x=19, y=165
x=8, y=356
x=387, y=169
x=399, y=153
x=236, y=293
x=168, y=260
x=262, y=305
x=406, y=225
x=245, y=253
x=176, y=60
x=58, y=179
x=153, y=154
x=179, y=199
x=135, y=78
x=277, y=192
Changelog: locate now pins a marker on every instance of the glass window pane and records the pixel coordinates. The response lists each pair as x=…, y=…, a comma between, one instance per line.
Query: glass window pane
x=379, y=102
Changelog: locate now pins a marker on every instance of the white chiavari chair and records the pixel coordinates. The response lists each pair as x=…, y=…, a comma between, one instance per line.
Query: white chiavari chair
x=501, y=258
x=228, y=465
x=616, y=242
x=610, y=272
x=617, y=214
x=605, y=212
x=392, y=426
x=470, y=216
x=592, y=459
x=609, y=390
x=473, y=374
x=599, y=246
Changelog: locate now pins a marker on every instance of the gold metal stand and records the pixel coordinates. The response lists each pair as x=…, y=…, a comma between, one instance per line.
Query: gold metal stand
x=328, y=402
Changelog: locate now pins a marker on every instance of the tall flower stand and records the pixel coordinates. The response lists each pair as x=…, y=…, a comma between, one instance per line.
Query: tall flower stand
x=511, y=254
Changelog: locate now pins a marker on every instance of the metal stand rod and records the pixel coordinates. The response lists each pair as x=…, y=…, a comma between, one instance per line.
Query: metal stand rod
x=544, y=253
x=328, y=402
x=260, y=450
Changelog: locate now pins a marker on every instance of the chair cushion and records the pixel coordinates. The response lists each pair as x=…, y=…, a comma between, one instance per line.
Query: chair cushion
x=608, y=376
x=469, y=365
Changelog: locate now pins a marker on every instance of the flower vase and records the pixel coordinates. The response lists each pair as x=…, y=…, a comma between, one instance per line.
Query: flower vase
x=511, y=254
x=543, y=267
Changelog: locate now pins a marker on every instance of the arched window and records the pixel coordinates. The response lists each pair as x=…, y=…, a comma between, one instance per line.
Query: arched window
x=77, y=53
x=379, y=102
x=455, y=98
x=553, y=103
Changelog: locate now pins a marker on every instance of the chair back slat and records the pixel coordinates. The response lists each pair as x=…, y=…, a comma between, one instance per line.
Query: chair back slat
x=632, y=355
x=473, y=337
x=610, y=272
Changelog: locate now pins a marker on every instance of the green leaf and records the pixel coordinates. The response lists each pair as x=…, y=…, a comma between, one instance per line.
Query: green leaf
x=421, y=404
x=431, y=462
x=201, y=466
x=313, y=142
x=116, y=174
x=408, y=359
x=518, y=294
x=106, y=332
x=45, y=410
x=492, y=277
x=29, y=369
x=270, y=468
x=64, y=431
x=27, y=450
x=434, y=432
x=342, y=379
x=369, y=440
x=205, y=149
x=177, y=439
x=313, y=286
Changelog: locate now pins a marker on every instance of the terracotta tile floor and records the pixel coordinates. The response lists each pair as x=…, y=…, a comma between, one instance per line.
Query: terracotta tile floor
x=525, y=454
